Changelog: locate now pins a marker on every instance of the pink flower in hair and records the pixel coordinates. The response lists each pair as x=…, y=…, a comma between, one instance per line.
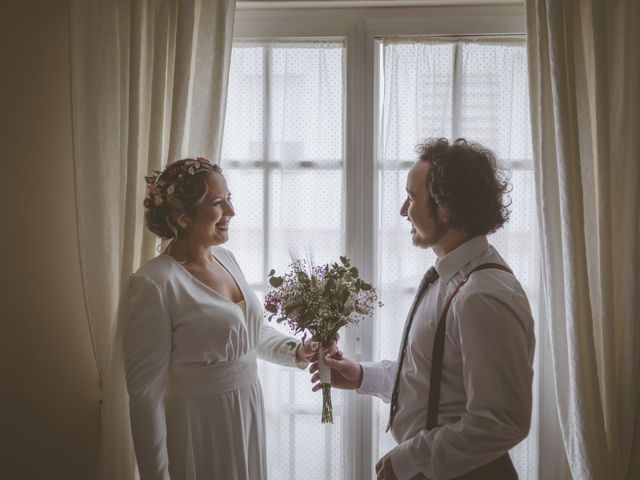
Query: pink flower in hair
x=157, y=200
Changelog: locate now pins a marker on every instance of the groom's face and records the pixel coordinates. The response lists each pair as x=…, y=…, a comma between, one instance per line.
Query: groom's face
x=427, y=224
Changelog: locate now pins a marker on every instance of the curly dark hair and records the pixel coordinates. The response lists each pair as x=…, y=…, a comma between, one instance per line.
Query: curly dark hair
x=185, y=195
x=467, y=181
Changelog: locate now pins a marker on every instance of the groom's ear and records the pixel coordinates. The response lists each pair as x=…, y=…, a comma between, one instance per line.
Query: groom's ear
x=443, y=214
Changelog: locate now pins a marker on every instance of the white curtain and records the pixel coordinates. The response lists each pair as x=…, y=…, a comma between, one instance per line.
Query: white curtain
x=149, y=81
x=584, y=58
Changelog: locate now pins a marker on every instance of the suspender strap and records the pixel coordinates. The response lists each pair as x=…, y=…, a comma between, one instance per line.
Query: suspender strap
x=438, y=347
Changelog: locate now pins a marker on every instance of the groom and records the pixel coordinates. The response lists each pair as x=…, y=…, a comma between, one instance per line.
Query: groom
x=460, y=390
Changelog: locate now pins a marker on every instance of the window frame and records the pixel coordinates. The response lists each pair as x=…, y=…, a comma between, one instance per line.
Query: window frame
x=362, y=26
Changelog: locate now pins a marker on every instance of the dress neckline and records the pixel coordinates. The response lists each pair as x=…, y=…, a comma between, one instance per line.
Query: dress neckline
x=207, y=287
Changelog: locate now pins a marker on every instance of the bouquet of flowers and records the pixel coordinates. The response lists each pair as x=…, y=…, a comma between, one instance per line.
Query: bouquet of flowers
x=319, y=301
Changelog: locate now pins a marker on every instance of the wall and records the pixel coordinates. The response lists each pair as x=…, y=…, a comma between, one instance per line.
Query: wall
x=49, y=390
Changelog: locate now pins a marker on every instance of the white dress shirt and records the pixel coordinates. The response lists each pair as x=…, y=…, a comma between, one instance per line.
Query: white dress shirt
x=487, y=373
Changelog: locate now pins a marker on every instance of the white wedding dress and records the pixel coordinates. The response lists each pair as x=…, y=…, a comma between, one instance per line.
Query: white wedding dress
x=190, y=360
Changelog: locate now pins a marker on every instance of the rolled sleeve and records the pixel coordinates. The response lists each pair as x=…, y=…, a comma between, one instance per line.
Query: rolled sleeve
x=402, y=462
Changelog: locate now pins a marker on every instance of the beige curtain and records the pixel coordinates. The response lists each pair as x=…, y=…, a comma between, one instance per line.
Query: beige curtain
x=149, y=82
x=584, y=60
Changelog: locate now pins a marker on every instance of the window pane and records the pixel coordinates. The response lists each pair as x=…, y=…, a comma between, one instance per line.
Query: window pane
x=472, y=89
x=418, y=98
x=283, y=158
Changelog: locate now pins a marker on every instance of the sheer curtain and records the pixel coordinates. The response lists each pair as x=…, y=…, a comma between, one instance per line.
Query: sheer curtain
x=149, y=81
x=585, y=78
x=283, y=156
x=471, y=88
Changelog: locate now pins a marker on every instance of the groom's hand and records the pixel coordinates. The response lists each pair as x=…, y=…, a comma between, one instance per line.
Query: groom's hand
x=345, y=373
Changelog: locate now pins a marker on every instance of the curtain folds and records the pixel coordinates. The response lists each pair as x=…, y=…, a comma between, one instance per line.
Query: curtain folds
x=149, y=82
x=584, y=62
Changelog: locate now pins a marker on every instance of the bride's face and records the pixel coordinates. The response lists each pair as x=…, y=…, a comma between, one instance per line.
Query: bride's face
x=208, y=223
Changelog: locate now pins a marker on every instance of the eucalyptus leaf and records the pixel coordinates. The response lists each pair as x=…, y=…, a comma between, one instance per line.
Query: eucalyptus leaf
x=329, y=285
x=275, y=282
x=344, y=296
x=292, y=305
x=271, y=308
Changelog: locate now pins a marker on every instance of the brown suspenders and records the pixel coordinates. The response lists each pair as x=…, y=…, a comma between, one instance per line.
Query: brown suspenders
x=501, y=468
x=438, y=347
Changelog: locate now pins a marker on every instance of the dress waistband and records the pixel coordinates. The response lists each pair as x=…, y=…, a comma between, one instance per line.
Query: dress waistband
x=214, y=379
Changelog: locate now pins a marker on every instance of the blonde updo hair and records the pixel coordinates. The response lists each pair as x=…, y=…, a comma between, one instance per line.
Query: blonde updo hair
x=181, y=185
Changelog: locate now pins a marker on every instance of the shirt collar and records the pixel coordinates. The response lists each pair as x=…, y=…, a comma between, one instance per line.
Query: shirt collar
x=455, y=260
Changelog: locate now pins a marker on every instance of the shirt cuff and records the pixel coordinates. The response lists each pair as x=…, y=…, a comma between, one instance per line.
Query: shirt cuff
x=373, y=378
x=402, y=461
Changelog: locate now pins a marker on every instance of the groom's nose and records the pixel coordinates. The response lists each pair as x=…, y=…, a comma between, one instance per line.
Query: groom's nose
x=404, y=208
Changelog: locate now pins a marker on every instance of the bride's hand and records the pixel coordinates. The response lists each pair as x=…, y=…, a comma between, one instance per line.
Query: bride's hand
x=307, y=351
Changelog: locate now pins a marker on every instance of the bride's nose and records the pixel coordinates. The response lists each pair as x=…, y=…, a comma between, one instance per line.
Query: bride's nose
x=229, y=211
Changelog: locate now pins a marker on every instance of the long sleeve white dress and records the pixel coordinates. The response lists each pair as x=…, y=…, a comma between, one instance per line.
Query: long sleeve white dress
x=190, y=361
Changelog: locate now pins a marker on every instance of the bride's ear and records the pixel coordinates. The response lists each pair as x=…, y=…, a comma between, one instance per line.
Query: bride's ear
x=180, y=218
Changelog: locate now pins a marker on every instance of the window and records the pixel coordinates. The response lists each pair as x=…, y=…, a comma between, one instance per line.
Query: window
x=476, y=88
x=283, y=156
x=324, y=110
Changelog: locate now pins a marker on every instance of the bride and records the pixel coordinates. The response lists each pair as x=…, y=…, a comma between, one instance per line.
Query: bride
x=192, y=331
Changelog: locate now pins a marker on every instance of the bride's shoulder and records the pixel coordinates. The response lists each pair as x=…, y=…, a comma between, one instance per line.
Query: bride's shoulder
x=219, y=252
x=157, y=268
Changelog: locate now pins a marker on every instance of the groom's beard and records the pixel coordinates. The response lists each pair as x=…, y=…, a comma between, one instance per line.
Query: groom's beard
x=440, y=228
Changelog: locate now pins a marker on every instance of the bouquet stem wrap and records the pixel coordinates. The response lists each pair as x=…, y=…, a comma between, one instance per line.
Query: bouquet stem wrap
x=324, y=370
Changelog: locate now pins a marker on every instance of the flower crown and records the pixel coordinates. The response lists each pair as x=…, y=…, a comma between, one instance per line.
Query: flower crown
x=163, y=183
